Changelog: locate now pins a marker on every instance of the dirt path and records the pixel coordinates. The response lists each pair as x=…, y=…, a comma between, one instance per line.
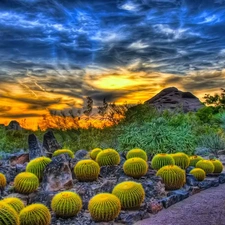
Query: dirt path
x=204, y=208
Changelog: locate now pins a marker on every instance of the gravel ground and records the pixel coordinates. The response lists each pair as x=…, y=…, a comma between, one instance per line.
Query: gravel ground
x=204, y=208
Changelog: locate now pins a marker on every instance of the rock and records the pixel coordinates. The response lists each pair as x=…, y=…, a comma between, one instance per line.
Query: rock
x=50, y=144
x=171, y=99
x=170, y=200
x=191, y=180
x=80, y=154
x=112, y=171
x=35, y=147
x=208, y=183
x=221, y=152
x=14, y=125
x=182, y=194
x=188, y=170
x=45, y=197
x=9, y=171
x=19, y=159
x=154, y=206
x=222, y=178
x=222, y=159
x=57, y=174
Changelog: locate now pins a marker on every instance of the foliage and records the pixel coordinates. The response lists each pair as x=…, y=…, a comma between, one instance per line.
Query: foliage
x=8, y=216
x=206, y=165
x=104, y=207
x=218, y=166
x=217, y=100
x=131, y=194
x=198, y=173
x=63, y=151
x=194, y=159
x=181, y=159
x=16, y=203
x=137, y=152
x=162, y=159
x=94, y=152
x=66, y=204
x=108, y=157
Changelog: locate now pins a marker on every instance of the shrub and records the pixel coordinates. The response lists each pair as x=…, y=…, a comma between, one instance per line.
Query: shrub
x=94, y=152
x=162, y=159
x=135, y=167
x=181, y=160
x=26, y=183
x=87, y=170
x=108, y=157
x=37, y=166
x=8, y=216
x=66, y=204
x=63, y=151
x=198, y=173
x=3, y=181
x=137, y=152
x=218, y=166
x=131, y=194
x=206, y=165
x=194, y=159
x=15, y=203
x=35, y=214
x=172, y=176
x=104, y=207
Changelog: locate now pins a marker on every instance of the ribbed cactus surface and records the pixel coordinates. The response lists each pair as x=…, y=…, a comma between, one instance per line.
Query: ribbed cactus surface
x=108, y=157
x=160, y=160
x=198, y=173
x=63, y=151
x=194, y=159
x=94, y=152
x=137, y=152
x=181, y=159
x=206, y=165
x=8, y=216
x=16, y=203
x=218, y=166
x=3, y=181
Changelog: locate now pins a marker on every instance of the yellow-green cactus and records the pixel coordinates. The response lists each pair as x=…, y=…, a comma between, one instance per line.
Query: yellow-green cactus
x=218, y=166
x=206, y=165
x=94, y=152
x=198, y=173
x=181, y=159
x=63, y=151
x=131, y=194
x=16, y=203
x=37, y=166
x=194, y=159
x=137, y=152
x=108, y=157
x=104, y=207
x=26, y=183
x=3, y=181
x=35, y=214
x=87, y=170
x=173, y=176
x=8, y=215
x=66, y=204
x=135, y=167
x=162, y=159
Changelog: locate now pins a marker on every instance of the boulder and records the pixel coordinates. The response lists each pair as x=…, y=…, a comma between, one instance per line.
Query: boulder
x=19, y=159
x=35, y=147
x=14, y=125
x=80, y=154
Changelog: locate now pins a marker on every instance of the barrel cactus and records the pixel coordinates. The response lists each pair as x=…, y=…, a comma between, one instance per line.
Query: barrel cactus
x=198, y=173
x=131, y=194
x=37, y=166
x=94, y=152
x=3, y=181
x=104, y=207
x=26, y=183
x=35, y=214
x=173, y=176
x=162, y=159
x=181, y=159
x=135, y=167
x=194, y=159
x=206, y=165
x=16, y=203
x=66, y=204
x=63, y=151
x=108, y=157
x=8, y=215
x=137, y=152
x=218, y=166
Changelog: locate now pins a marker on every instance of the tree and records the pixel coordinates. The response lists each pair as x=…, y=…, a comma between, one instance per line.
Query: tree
x=217, y=100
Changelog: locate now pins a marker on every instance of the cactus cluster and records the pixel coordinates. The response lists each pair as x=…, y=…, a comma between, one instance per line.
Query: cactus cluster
x=131, y=194
x=3, y=181
x=108, y=157
x=218, y=166
x=194, y=159
x=16, y=203
x=162, y=159
x=198, y=173
x=181, y=159
x=26, y=183
x=206, y=165
x=135, y=167
x=37, y=166
x=8, y=216
x=137, y=152
x=173, y=176
x=63, y=151
x=35, y=214
x=94, y=152
x=104, y=207
x=66, y=204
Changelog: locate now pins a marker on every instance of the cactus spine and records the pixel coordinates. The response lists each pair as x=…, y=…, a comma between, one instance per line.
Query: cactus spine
x=194, y=159
x=3, y=182
x=15, y=203
x=66, y=204
x=131, y=194
x=137, y=152
x=104, y=207
x=63, y=151
x=108, y=157
x=206, y=165
x=218, y=166
x=181, y=159
x=94, y=152
x=198, y=173
x=162, y=159
x=8, y=216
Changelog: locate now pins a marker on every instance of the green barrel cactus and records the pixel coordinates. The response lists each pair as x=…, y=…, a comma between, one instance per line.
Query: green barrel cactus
x=37, y=166
x=131, y=194
x=181, y=159
x=108, y=157
x=26, y=183
x=104, y=207
x=94, y=152
x=218, y=166
x=63, y=151
x=35, y=214
x=137, y=152
x=206, y=165
x=66, y=204
x=16, y=203
x=198, y=173
x=135, y=167
x=3, y=181
x=87, y=170
x=194, y=159
x=8, y=216
x=162, y=159
x=173, y=176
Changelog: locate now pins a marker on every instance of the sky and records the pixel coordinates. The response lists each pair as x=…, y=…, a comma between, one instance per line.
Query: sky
x=55, y=53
